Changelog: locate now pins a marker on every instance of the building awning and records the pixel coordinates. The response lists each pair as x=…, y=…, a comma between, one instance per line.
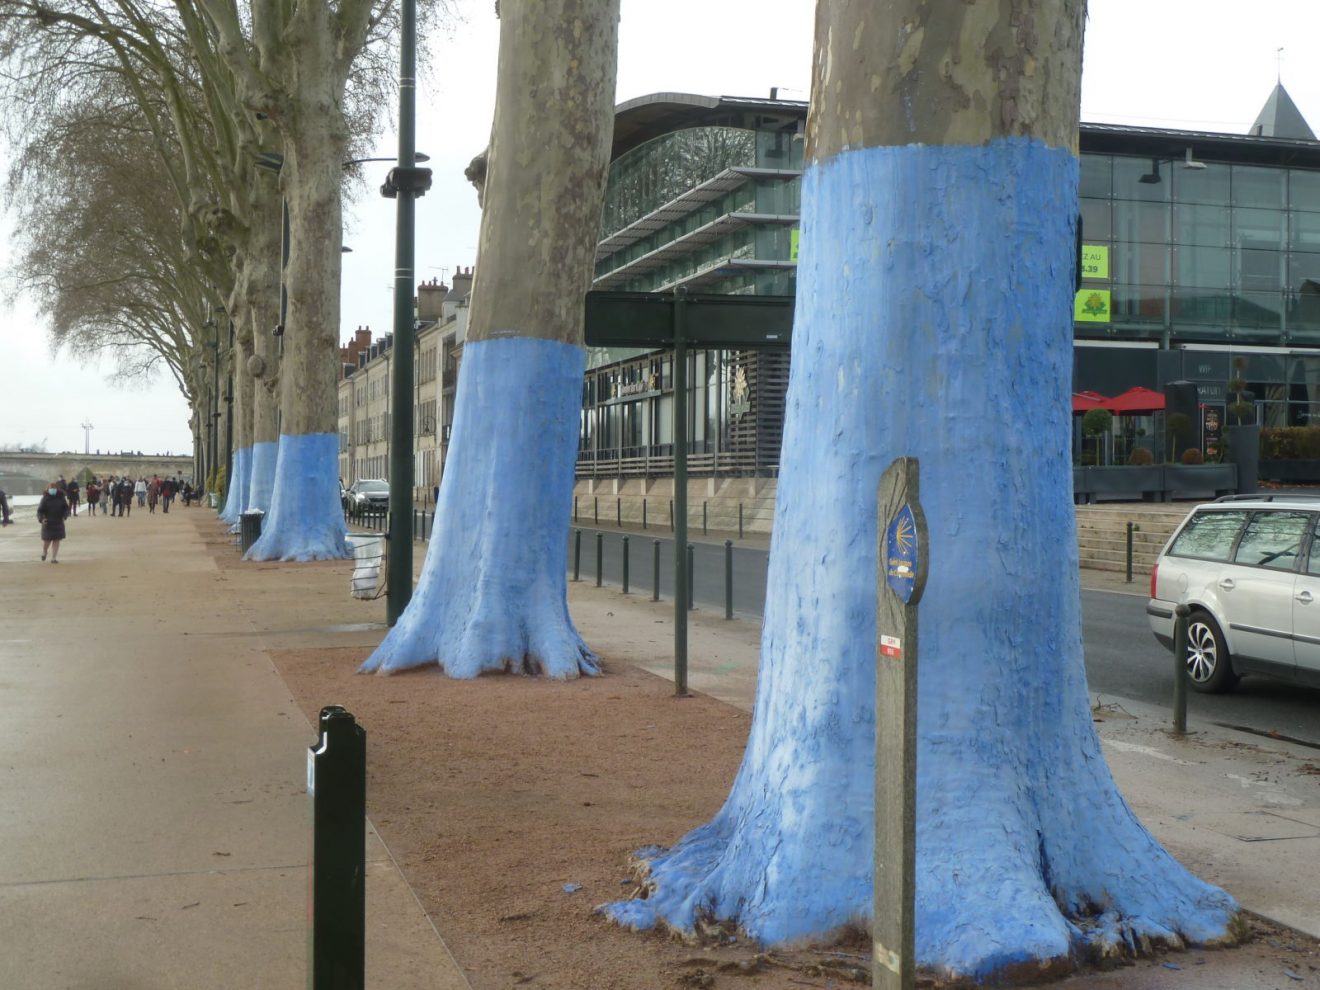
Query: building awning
x=680, y=246
x=691, y=201
x=725, y=268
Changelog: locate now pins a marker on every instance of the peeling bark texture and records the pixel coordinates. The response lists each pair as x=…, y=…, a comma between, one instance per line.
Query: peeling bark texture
x=546, y=166
x=964, y=72
x=928, y=274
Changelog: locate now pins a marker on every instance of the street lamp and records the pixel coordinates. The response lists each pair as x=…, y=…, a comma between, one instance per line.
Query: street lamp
x=1153, y=176
x=404, y=184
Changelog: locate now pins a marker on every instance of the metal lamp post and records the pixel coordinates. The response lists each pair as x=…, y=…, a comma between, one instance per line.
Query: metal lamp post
x=404, y=184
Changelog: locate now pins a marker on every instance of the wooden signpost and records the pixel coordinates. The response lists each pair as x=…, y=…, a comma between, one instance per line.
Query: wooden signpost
x=900, y=580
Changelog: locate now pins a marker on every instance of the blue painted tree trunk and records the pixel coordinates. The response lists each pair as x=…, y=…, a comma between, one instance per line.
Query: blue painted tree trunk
x=305, y=521
x=493, y=590
x=236, y=498
x=933, y=320
x=261, y=484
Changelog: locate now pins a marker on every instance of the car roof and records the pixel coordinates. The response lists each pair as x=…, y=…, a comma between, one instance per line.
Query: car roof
x=1274, y=500
x=378, y=481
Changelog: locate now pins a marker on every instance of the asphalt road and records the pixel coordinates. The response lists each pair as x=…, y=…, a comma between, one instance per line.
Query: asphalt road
x=1122, y=658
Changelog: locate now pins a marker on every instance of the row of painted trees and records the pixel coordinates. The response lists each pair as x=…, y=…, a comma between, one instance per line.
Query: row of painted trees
x=937, y=236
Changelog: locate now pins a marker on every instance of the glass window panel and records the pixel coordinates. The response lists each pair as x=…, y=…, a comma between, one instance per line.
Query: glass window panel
x=1201, y=224
x=1304, y=272
x=1304, y=190
x=1136, y=221
x=1140, y=303
x=1203, y=305
x=1258, y=310
x=1273, y=539
x=1205, y=267
x=1256, y=186
x=1128, y=173
x=1097, y=176
x=1260, y=271
x=1305, y=231
x=1209, y=535
x=1096, y=222
x=1140, y=264
x=1198, y=185
x=1259, y=228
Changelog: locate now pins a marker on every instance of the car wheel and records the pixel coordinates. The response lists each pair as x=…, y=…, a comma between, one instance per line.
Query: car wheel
x=1209, y=669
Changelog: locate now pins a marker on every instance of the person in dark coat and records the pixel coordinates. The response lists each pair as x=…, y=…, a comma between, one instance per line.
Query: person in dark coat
x=52, y=510
x=4, y=508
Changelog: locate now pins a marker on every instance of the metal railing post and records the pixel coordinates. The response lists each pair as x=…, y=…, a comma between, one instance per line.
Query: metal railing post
x=600, y=554
x=625, y=565
x=643, y=512
x=1180, y=613
x=1130, y=527
x=728, y=579
x=703, y=517
x=577, y=555
x=655, y=572
x=740, y=521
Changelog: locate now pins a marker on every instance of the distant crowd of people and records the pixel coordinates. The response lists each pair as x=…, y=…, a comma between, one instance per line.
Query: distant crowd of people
x=113, y=495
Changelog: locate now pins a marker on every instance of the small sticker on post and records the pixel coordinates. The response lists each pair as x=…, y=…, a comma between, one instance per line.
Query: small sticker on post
x=891, y=646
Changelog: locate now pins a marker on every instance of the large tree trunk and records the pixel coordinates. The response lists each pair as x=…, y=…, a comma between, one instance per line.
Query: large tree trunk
x=264, y=239
x=933, y=320
x=492, y=595
x=305, y=521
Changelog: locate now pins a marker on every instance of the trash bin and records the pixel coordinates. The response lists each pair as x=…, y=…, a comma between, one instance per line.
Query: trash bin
x=368, y=566
x=249, y=529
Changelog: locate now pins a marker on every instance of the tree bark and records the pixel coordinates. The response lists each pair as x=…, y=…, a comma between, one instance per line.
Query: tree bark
x=493, y=592
x=934, y=321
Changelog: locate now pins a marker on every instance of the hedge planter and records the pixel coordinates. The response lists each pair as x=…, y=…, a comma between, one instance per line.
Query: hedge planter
x=1154, y=482
x=1292, y=471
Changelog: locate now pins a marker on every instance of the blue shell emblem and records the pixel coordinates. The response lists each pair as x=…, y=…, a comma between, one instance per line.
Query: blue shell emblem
x=901, y=554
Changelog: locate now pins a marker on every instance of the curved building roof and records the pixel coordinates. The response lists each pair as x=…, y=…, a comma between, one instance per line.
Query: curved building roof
x=639, y=120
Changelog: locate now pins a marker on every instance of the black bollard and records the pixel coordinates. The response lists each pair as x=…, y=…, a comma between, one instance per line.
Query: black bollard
x=740, y=529
x=575, y=498
x=703, y=518
x=618, y=512
x=655, y=571
x=728, y=579
x=577, y=555
x=643, y=512
x=1130, y=527
x=600, y=544
x=595, y=508
x=625, y=565
x=336, y=897
x=671, y=515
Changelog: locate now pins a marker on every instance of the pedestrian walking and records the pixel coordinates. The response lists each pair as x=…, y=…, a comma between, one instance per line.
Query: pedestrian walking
x=166, y=494
x=4, y=508
x=140, y=490
x=52, y=510
x=72, y=494
x=153, y=493
x=93, y=496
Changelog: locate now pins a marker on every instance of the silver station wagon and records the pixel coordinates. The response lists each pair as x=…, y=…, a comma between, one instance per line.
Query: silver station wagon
x=1249, y=569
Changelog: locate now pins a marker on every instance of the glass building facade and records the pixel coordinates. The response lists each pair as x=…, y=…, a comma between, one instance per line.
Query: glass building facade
x=1199, y=255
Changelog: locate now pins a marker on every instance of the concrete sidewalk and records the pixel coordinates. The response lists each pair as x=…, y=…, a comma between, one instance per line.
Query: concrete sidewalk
x=154, y=827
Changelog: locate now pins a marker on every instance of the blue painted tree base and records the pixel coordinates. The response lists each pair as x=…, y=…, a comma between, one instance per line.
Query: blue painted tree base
x=306, y=520
x=493, y=592
x=236, y=498
x=261, y=484
x=933, y=320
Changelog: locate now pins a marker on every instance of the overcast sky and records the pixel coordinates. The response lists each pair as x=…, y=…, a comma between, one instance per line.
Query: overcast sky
x=1195, y=64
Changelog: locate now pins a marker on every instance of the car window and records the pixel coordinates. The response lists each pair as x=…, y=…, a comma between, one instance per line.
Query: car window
x=1273, y=539
x=1209, y=535
x=1313, y=564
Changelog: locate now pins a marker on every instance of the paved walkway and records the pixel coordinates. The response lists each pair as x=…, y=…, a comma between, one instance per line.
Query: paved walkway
x=154, y=827
x=153, y=832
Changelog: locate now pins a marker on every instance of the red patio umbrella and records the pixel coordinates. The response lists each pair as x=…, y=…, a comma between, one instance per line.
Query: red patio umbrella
x=1086, y=401
x=1136, y=401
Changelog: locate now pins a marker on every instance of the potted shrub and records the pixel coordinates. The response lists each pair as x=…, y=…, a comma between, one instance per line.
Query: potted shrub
x=1096, y=423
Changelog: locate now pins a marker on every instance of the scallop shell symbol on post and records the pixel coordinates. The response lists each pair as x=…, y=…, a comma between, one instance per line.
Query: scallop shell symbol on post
x=901, y=553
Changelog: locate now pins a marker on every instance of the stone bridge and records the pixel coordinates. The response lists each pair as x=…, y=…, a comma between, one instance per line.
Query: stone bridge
x=26, y=473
